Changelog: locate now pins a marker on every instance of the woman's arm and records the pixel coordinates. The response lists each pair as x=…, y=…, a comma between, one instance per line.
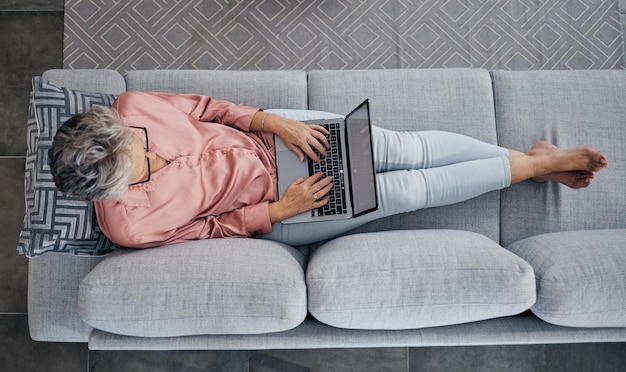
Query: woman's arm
x=299, y=137
x=208, y=109
x=149, y=229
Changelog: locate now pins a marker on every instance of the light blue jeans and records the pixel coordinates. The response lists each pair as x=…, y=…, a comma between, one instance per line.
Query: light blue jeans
x=415, y=170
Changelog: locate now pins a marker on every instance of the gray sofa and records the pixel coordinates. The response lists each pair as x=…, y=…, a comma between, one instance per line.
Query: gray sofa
x=536, y=263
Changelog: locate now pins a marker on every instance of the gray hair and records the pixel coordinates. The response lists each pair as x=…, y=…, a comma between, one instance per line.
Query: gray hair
x=90, y=157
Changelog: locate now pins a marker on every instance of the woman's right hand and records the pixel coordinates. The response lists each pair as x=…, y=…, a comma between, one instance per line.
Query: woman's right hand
x=301, y=196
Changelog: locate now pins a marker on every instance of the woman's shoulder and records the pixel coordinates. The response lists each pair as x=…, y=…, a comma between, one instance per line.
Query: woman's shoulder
x=134, y=102
x=133, y=95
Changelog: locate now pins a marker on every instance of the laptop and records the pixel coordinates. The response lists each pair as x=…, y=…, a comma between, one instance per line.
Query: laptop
x=349, y=160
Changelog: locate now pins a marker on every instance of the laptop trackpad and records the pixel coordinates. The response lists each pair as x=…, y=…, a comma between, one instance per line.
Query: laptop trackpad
x=291, y=168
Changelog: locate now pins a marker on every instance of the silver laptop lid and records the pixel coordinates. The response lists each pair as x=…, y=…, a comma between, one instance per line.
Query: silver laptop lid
x=361, y=160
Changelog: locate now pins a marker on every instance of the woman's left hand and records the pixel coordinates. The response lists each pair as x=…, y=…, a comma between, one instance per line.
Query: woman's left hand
x=299, y=137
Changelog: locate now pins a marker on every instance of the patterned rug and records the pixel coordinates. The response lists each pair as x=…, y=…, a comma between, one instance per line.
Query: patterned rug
x=342, y=34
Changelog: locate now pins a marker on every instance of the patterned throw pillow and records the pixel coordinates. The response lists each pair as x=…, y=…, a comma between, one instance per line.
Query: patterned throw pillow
x=56, y=222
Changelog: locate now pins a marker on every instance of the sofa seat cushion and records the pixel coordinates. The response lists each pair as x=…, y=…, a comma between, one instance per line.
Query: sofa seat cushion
x=214, y=286
x=416, y=279
x=581, y=276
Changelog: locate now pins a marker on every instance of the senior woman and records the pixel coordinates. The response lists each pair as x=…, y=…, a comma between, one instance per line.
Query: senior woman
x=165, y=168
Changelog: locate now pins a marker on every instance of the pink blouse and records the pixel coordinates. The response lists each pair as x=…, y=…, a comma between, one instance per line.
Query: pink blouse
x=219, y=182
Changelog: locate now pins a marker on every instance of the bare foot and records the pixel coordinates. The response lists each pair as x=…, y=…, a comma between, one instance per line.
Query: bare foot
x=582, y=158
x=573, y=179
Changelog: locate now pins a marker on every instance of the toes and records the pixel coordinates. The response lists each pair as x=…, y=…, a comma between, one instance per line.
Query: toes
x=585, y=174
x=571, y=179
x=597, y=160
x=583, y=179
x=586, y=179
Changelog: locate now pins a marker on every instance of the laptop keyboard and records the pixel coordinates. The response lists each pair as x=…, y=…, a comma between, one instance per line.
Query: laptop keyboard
x=331, y=165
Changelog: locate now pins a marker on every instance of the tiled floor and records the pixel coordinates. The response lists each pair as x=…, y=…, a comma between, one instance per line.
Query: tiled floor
x=31, y=38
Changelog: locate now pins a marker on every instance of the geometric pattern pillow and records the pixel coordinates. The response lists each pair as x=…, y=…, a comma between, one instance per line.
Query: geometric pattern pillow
x=55, y=222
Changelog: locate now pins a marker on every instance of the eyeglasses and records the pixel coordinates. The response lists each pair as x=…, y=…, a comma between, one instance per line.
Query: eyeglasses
x=145, y=132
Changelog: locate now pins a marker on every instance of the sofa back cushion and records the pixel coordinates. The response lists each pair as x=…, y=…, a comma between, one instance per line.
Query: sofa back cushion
x=455, y=100
x=567, y=108
x=264, y=89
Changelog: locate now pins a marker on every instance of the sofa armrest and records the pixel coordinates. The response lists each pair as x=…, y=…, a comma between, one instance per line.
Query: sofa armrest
x=53, y=281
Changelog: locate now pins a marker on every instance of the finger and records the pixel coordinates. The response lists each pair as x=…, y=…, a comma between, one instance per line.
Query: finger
x=315, y=178
x=329, y=185
x=323, y=192
x=322, y=182
x=321, y=136
x=323, y=187
x=311, y=154
x=319, y=128
x=317, y=145
x=296, y=150
x=321, y=202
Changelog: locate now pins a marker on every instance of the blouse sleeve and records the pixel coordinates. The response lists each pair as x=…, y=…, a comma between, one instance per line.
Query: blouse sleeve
x=205, y=108
x=247, y=221
x=243, y=222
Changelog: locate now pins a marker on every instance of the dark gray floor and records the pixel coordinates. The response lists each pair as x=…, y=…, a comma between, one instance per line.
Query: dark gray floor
x=31, y=41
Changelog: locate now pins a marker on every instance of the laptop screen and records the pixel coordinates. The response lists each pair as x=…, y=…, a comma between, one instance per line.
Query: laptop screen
x=361, y=161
